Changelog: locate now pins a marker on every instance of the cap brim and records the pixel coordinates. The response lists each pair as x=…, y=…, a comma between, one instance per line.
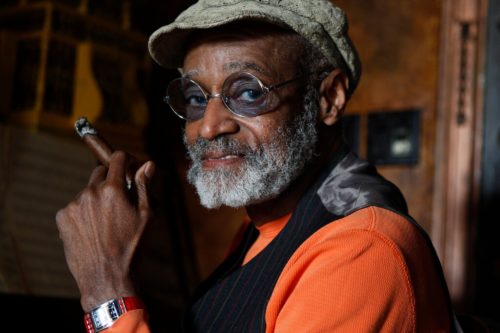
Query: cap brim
x=168, y=44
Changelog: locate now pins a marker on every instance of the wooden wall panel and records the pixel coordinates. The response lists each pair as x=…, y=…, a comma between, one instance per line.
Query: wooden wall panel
x=398, y=42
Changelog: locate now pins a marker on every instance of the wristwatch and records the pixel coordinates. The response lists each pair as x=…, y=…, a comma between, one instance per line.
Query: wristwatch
x=104, y=315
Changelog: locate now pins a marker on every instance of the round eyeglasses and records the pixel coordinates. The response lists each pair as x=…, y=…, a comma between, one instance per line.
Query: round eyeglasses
x=242, y=93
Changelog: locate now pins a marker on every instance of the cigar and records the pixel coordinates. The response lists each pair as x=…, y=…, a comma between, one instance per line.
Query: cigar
x=101, y=149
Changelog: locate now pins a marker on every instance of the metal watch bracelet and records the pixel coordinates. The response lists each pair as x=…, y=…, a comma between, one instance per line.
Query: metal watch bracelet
x=104, y=315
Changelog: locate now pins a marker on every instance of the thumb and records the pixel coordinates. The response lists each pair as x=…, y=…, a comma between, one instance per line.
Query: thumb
x=142, y=179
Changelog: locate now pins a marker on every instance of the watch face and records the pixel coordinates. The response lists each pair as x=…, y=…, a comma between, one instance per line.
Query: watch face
x=106, y=314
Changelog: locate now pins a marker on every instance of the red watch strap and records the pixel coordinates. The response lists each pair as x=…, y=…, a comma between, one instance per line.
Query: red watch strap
x=132, y=303
x=104, y=315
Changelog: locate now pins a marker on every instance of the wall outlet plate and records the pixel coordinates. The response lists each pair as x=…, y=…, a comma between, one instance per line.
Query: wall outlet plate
x=393, y=137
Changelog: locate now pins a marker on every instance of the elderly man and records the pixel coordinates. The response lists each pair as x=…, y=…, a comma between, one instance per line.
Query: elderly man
x=330, y=246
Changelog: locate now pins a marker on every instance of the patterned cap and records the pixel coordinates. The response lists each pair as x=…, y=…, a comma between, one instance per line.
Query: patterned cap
x=320, y=22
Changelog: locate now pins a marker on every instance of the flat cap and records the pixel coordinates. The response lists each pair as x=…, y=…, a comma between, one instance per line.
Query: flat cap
x=320, y=22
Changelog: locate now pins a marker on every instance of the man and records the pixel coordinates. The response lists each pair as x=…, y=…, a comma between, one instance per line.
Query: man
x=330, y=246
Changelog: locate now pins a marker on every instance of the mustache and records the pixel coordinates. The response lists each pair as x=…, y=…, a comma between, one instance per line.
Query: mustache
x=223, y=144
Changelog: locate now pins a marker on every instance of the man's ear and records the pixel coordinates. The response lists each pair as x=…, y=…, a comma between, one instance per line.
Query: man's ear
x=333, y=97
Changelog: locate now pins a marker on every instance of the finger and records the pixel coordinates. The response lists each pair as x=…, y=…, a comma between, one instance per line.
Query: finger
x=117, y=168
x=142, y=179
x=97, y=176
x=132, y=167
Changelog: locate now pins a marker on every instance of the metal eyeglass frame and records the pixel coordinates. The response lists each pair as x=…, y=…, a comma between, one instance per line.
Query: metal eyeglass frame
x=208, y=96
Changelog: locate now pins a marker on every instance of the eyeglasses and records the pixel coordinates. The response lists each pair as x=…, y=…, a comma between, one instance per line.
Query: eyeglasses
x=242, y=93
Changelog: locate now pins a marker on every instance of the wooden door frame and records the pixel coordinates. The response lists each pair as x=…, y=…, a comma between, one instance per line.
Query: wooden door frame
x=458, y=142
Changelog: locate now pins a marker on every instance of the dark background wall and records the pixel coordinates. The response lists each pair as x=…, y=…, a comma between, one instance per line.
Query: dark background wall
x=488, y=253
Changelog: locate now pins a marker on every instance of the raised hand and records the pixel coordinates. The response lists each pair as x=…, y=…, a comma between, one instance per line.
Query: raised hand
x=101, y=229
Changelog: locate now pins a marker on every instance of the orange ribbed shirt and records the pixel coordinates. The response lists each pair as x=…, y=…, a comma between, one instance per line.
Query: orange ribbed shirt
x=370, y=271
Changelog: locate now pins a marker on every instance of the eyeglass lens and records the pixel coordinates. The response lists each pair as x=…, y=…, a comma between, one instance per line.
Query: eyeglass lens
x=242, y=93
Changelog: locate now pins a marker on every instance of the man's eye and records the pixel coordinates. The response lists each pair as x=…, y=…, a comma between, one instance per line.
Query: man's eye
x=251, y=95
x=246, y=92
x=195, y=100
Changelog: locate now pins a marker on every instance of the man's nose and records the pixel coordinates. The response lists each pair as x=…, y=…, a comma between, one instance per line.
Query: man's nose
x=217, y=120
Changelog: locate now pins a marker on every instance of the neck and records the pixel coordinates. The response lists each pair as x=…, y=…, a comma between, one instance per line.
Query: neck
x=283, y=204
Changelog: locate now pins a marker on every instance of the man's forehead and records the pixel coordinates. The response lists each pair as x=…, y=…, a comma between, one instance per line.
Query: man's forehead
x=230, y=67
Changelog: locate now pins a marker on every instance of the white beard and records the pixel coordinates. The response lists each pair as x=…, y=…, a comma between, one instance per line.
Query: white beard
x=266, y=171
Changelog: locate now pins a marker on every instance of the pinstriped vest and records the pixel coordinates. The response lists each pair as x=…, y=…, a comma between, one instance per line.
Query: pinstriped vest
x=234, y=298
